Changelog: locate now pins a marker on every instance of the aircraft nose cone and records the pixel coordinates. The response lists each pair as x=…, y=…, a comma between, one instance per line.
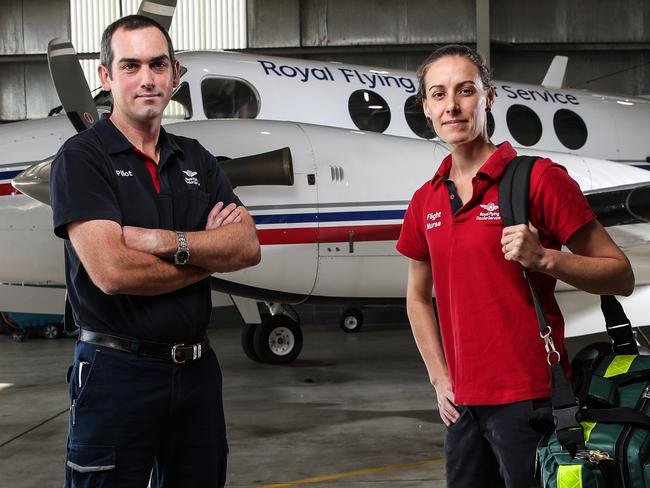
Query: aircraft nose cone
x=35, y=181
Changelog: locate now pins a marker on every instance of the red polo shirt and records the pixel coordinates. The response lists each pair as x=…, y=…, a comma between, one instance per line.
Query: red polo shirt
x=487, y=320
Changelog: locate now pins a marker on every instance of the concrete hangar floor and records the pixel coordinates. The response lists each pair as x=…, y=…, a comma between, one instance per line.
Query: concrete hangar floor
x=354, y=410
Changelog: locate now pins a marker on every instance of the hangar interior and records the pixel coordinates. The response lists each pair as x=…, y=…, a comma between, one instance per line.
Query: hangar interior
x=608, y=47
x=331, y=419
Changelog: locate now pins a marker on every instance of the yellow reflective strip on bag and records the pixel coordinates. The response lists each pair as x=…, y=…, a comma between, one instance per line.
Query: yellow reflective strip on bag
x=619, y=365
x=569, y=476
x=587, y=427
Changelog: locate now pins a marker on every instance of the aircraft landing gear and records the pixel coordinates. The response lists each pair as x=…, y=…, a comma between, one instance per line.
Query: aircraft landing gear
x=51, y=331
x=277, y=340
x=247, y=337
x=351, y=320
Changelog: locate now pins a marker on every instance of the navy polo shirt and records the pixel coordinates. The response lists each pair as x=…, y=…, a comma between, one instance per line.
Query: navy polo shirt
x=98, y=175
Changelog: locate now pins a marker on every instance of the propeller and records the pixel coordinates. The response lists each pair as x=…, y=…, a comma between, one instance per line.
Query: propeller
x=162, y=11
x=70, y=84
x=76, y=99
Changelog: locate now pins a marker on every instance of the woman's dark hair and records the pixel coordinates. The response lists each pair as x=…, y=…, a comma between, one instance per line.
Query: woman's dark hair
x=129, y=23
x=454, y=50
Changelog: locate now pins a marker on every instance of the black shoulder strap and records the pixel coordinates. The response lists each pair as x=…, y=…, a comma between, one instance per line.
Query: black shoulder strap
x=618, y=326
x=514, y=188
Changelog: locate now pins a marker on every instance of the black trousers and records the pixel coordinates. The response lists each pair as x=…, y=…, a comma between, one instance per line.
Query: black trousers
x=493, y=446
x=132, y=418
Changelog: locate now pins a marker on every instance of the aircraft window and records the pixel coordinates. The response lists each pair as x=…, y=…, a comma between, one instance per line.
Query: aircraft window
x=225, y=98
x=180, y=106
x=415, y=118
x=570, y=128
x=490, y=124
x=369, y=111
x=524, y=125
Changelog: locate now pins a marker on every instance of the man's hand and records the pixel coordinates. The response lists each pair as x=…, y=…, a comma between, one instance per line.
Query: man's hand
x=220, y=215
x=446, y=405
x=521, y=243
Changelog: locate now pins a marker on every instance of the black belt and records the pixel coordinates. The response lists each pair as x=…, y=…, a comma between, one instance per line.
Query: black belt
x=178, y=353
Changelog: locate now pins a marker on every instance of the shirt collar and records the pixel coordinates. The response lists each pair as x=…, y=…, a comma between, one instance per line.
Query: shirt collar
x=115, y=142
x=493, y=166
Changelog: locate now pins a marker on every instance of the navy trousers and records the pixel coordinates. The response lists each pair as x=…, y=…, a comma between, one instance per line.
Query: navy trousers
x=493, y=446
x=134, y=418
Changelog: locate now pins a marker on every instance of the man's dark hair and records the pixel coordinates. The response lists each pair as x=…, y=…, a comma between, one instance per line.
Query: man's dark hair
x=454, y=50
x=129, y=23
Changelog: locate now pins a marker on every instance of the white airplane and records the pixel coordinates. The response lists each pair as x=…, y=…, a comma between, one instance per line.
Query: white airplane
x=329, y=231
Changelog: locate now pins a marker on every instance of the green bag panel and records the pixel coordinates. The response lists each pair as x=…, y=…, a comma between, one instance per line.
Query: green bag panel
x=638, y=454
x=603, y=437
x=603, y=391
x=557, y=473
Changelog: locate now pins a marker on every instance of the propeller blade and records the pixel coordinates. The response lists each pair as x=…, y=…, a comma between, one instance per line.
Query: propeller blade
x=622, y=205
x=35, y=181
x=70, y=84
x=162, y=11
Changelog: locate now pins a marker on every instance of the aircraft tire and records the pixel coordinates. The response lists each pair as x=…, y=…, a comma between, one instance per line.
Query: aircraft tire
x=278, y=340
x=247, y=342
x=351, y=320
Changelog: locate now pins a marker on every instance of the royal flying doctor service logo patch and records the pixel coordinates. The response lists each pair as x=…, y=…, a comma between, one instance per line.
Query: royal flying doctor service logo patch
x=491, y=212
x=190, y=177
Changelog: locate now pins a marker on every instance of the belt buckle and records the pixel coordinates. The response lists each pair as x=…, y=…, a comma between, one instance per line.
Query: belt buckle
x=174, y=354
x=196, y=352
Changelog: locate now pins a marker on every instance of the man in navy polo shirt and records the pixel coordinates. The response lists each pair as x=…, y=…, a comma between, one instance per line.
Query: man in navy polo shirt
x=147, y=217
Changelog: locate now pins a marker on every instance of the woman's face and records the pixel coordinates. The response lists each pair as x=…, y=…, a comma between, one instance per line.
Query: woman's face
x=456, y=100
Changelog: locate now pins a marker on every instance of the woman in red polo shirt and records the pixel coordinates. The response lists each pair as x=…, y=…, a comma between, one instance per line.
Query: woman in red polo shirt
x=493, y=370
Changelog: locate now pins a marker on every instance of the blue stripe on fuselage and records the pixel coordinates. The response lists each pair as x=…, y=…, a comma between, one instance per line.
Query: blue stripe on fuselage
x=329, y=217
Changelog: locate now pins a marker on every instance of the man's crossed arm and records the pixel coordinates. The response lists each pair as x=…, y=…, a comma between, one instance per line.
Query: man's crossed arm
x=138, y=261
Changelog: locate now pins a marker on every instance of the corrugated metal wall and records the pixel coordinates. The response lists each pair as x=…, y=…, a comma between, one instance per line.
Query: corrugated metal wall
x=197, y=24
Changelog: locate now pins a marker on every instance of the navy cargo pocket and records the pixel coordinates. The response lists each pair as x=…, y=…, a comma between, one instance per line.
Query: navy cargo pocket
x=91, y=466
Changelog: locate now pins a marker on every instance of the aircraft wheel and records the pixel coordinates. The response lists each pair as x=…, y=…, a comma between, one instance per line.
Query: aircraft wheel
x=278, y=340
x=51, y=331
x=247, y=342
x=351, y=320
x=19, y=335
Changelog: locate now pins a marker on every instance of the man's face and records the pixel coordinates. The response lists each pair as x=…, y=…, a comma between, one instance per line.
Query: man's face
x=142, y=77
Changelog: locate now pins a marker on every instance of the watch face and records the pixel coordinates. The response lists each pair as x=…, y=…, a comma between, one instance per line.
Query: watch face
x=182, y=257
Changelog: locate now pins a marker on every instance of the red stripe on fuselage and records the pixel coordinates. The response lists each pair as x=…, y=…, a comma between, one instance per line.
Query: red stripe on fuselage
x=312, y=235
x=7, y=189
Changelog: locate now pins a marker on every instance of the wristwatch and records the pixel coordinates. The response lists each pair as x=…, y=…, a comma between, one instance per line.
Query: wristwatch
x=182, y=254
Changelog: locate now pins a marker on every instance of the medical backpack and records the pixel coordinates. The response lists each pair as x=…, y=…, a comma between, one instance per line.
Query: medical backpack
x=597, y=433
